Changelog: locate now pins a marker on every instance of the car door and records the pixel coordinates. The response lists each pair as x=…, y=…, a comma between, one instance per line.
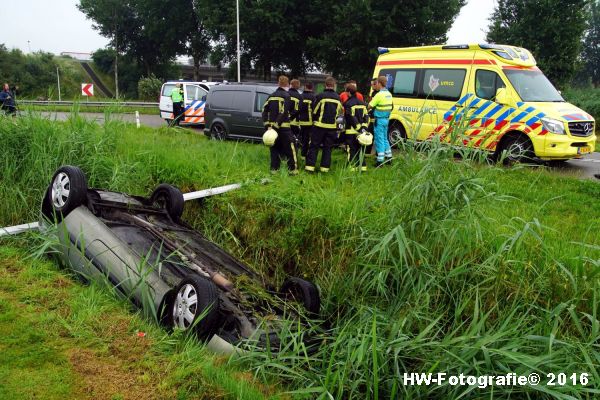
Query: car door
x=257, y=127
x=241, y=113
x=194, y=102
x=166, y=105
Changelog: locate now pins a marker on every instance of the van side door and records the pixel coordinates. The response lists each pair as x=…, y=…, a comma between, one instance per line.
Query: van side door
x=442, y=88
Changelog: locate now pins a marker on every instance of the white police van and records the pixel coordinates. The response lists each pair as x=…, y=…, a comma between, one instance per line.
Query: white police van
x=194, y=99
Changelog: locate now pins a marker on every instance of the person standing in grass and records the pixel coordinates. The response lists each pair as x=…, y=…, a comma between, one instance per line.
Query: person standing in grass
x=357, y=120
x=328, y=108
x=305, y=117
x=276, y=114
x=177, y=99
x=7, y=99
x=296, y=99
x=382, y=105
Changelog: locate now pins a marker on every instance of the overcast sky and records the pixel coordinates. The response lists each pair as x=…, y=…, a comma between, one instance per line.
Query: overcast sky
x=57, y=26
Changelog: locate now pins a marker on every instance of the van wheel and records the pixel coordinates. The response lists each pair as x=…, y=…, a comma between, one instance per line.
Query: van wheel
x=396, y=134
x=218, y=131
x=517, y=149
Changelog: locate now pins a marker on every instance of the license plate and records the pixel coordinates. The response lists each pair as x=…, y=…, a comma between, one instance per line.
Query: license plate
x=584, y=150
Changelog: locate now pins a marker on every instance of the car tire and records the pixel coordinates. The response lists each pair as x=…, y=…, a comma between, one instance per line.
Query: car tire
x=517, y=149
x=304, y=292
x=67, y=190
x=169, y=198
x=218, y=131
x=195, y=306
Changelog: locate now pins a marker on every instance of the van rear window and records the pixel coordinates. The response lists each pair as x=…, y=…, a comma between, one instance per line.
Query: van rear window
x=443, y=84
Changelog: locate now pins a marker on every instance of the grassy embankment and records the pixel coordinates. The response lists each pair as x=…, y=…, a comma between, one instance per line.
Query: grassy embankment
x=431, y=265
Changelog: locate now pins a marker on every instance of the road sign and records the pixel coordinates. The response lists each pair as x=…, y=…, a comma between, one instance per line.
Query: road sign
x=87, y=89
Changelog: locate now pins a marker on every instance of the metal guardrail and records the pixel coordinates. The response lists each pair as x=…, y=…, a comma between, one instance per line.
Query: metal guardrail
x=140, y=104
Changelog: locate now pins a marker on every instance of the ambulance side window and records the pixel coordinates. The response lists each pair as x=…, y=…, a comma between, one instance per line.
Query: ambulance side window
x=401, y=82
x=487, y=83
x=443, y=84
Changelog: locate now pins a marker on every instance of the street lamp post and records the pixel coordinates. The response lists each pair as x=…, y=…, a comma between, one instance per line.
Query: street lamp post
x=58, y=82
x=239, y=59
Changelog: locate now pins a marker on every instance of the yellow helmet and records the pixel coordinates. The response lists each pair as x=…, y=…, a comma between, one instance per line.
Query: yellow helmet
x=269, y=137
x=365, y=138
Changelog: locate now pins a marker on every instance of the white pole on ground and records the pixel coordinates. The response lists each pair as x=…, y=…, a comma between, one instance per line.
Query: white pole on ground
x=239, y=59
x=137, y=119
x=14, y=230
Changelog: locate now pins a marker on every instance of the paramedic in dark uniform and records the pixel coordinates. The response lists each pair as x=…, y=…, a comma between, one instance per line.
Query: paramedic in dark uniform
x=327, y=109
x=374, y=91
x=276, y=114
x=305, y=117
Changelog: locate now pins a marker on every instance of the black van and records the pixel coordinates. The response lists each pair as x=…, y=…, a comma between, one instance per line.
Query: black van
x=235, y=110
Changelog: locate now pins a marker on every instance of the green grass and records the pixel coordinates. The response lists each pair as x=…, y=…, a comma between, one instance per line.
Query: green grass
x=431, y=265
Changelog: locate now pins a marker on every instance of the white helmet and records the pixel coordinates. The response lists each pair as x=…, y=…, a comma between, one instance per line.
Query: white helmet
x=269, y=137
x=365, y=138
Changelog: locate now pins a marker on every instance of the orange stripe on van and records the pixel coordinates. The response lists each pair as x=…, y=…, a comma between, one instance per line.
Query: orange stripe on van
x=438, y=62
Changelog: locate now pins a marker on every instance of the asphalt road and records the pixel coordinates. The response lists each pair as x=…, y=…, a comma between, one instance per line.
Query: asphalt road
x=585, y=167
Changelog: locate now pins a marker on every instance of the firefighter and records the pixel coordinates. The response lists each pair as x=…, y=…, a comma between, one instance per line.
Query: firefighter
x=382, y=105
x=296, y=98
x=325, y=113
x=177, y=99
x=276, y=114
x=374, y=91
x=357, y=121
x=345, y=95
x=305, y=117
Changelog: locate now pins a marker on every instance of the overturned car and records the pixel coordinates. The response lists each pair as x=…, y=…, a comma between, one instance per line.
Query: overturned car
x=144, y=249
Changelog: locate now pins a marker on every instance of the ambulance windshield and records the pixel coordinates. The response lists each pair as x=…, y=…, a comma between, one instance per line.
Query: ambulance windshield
x=532, y=85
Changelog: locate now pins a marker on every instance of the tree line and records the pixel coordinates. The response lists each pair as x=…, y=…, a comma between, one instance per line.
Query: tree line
x=337, y=36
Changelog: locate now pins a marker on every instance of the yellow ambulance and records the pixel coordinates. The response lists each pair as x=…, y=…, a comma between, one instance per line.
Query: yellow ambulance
x=484, y=96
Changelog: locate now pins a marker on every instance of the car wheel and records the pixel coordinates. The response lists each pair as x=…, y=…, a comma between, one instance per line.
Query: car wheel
x=196, y=306
x=518, y=149
x=396, y=134
x=218, y=131
x=169, y=198
x=304, y=292
x=67, y=191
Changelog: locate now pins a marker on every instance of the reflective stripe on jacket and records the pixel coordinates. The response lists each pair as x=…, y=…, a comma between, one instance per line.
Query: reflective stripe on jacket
x=296, y=99
x=276, y=110
x=327, y=108
x=382, y=101
x=356, y=115
x=306, y=109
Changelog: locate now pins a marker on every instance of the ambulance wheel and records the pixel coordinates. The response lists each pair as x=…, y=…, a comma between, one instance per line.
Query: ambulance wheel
x=218, y=131
x=396, y=133
x=517, y=149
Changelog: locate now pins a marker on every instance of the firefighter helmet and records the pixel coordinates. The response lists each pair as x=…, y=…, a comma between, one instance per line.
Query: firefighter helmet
x=365, y=138
x=269, y=137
